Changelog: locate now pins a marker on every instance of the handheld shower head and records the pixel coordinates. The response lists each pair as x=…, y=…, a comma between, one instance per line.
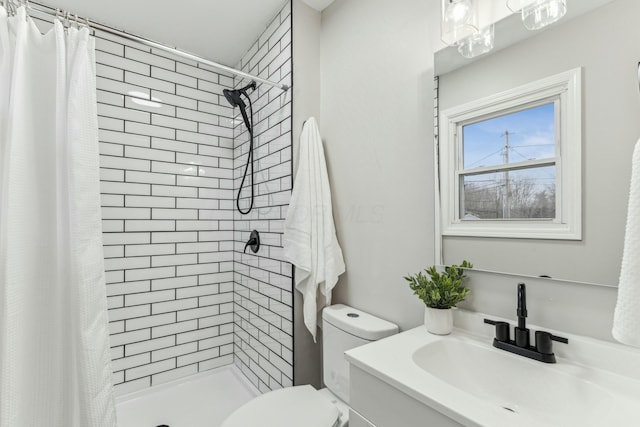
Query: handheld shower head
x=234, y=97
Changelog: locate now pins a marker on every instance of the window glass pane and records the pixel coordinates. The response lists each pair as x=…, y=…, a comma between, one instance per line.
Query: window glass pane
x=512, y=138
x=514, y=194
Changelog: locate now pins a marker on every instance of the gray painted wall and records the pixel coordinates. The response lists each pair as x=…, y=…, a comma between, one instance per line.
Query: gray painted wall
x=377, y=122
x=306, y=103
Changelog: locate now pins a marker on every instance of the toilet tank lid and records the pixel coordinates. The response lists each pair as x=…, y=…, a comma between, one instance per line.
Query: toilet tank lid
x=358, y=323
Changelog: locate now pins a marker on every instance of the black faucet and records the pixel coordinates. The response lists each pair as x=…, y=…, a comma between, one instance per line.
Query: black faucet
x=521, y=331
x=542, y=351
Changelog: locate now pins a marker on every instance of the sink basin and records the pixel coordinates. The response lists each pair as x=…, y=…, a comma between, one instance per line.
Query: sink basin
x=464, y=378
x=517, y=384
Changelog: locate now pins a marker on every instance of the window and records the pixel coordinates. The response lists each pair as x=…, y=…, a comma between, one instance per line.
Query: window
x=510, y=164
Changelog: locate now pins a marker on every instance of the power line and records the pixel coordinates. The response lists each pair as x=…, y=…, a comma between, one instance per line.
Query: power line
x=486, y=157
x=532, y=145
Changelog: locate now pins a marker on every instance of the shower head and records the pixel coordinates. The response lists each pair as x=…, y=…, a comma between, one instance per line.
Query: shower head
x=235, y=100
x=233, y=97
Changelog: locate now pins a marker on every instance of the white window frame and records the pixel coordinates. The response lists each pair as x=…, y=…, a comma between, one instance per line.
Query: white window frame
x=566, y=89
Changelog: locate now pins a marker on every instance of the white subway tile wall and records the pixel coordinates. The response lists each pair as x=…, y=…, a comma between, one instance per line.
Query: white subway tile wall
x=170, y=278
x=263, y=314
x=166, y=169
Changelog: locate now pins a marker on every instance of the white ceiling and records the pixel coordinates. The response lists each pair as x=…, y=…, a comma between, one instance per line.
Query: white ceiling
x=318, y=5
x=218, y=30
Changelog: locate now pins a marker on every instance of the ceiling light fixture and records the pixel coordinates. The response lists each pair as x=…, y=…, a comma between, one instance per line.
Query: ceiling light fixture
x=537, y=14
x=460, y=24
x=477, y=44
x=459, y=20
x=460, y=27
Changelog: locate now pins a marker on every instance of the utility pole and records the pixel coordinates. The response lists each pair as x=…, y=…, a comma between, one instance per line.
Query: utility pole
x=506, y=205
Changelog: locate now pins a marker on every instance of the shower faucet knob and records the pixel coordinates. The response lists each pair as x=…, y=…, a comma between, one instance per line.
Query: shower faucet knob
x=253, y=242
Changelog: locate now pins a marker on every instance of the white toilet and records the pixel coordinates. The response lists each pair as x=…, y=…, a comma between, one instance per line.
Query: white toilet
x=343, y=328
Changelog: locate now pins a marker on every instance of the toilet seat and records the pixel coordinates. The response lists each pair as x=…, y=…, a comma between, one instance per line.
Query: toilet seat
x=287, y=407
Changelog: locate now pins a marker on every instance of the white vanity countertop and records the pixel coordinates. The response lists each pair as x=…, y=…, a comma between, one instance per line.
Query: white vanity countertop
x=609, y=371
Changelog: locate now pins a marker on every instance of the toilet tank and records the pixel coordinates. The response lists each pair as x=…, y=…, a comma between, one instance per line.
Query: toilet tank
x=344, y=328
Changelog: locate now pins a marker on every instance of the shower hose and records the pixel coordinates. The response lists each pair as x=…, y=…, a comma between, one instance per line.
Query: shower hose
x=249, y=162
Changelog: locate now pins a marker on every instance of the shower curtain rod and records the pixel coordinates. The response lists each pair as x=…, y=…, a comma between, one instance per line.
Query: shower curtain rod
x=56, y=13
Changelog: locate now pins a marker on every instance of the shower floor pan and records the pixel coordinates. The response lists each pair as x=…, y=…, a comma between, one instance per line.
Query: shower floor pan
x=202, y=400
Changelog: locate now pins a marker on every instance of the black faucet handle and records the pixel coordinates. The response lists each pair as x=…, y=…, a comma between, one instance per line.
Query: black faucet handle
x=544, y=340
x=560, y=339
x=502, y=330
x=544, y=343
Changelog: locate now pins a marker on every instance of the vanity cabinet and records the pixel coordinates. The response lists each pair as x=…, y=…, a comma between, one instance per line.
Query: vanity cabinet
x=357, y=420
x=376, y=403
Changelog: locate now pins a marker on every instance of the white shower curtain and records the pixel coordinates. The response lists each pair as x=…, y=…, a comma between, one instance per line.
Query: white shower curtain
x=55, y=369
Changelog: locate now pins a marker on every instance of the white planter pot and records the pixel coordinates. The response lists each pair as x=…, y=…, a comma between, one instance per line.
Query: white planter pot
x=438, y=321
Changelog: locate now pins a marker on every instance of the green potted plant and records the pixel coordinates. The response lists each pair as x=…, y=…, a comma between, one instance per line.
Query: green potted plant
x=440, y=291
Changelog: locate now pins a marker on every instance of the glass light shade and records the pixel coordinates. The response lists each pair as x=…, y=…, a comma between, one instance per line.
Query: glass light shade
x=538, y=14
x=477, y=44
x=458, y=21
x=517, y=5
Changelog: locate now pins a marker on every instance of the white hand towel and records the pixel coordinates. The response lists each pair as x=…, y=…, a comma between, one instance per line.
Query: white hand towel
x=626, y=319
x=310, y=241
